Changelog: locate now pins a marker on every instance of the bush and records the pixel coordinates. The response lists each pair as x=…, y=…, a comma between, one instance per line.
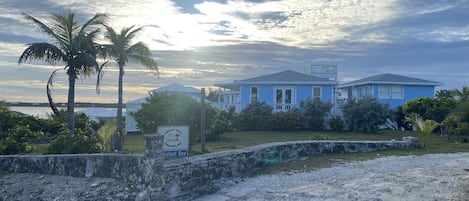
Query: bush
x=16, y=140
x=336, y=124
x=366, y=114
x=255, y=117
x=314, y=111
x=81, y=141
x=288, y=121
x=224, y=122
x=84, y=140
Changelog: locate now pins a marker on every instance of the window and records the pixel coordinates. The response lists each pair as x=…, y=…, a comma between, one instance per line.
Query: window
x=288, y=96
x=391, y=91
x=278, y=96
x=397, y=91
x=364, y=91
x=284, y=98
x=383, y=91
x=254, y=94
x=316, y=92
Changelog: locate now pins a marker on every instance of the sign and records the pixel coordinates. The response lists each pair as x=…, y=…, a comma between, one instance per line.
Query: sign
x=176, y=140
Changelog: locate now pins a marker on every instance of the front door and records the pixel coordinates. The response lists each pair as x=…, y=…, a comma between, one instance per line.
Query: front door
x=283, y=99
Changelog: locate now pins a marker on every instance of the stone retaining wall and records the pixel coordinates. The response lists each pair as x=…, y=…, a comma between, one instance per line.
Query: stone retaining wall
x=185, y=178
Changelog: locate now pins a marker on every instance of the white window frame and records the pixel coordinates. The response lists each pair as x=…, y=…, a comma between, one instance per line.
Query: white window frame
x=320, y=92
x=401, y=92
x=284, y=95
x=380, y=91
x=251, y=94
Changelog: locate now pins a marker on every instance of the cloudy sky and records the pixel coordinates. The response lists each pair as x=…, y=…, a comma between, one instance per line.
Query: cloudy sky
x=201, y=43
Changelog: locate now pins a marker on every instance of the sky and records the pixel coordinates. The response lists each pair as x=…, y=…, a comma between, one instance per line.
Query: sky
x=201, y=43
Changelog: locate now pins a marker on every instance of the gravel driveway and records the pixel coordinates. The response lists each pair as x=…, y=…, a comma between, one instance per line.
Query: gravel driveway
x=423, y=178
x=435, y=177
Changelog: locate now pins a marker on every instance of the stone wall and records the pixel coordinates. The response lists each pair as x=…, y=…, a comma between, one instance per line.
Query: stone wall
x=190, y=177
x=186, y=178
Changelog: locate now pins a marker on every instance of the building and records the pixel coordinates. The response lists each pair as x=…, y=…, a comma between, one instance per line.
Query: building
x=283, y=90
x=98, y=114
x=389, y=88
x=135, y=105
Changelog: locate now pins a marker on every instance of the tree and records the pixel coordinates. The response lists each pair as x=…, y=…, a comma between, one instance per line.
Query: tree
x=366, y=114
x=122, y=51
x=173, y=109
x=73, y=46
x=425, y=127
x=445, y=93
x=462, y=95
x=430, y=108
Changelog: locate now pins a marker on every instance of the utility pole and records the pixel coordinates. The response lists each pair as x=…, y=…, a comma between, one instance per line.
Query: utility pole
x=202, y=120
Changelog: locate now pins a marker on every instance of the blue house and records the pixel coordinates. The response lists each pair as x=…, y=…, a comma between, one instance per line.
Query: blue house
x=283, y=90
x=389, y=88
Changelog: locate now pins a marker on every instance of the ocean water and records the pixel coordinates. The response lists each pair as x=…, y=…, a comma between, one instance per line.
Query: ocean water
x=41, y=112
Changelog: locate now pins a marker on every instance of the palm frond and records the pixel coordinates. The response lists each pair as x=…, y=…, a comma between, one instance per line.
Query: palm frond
x=97, y=19
x=105, y=133
x=49, y=93
x=42, y=51
x=85, y=64
x=65, y=27
x=43, y=27
x=100, y=76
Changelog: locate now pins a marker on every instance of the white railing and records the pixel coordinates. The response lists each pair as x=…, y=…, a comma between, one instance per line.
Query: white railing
x=283, y=107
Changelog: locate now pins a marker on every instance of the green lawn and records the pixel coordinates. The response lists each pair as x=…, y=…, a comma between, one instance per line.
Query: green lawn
x=238, y=140
x=134, y=143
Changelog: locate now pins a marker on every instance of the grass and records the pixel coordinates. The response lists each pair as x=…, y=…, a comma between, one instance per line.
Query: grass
x=239, y=140
x=3, y=173
x=134, y=143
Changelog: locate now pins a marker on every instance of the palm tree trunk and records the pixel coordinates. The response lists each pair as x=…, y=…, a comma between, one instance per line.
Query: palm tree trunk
x=120, y=134
x=71, y=102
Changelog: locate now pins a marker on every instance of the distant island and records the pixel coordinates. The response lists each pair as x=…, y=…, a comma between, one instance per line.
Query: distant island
x=78, y=104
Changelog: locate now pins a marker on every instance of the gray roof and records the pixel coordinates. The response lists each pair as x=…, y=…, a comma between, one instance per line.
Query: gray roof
x=287, y=76
x=176, y=88
x=389, y=78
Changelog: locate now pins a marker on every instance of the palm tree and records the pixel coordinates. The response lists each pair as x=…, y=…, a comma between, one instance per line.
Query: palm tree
x=73, y=46
x=122, y=51
x=445, y=93
x=425, y=127
x=463, y=95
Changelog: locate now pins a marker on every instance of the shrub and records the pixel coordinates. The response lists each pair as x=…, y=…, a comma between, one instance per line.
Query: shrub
x=255, y=117
x=314, y=111
x=366, y=114
x=16, y=140
x=336, y=124
x=81, y=141
x=84, y=140
x=291, y=120
x=224, y=122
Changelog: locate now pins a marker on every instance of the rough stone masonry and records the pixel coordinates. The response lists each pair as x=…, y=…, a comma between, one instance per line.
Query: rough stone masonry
x=150, y=177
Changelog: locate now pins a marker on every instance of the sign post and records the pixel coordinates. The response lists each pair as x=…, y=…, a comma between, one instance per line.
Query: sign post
x=176, y=141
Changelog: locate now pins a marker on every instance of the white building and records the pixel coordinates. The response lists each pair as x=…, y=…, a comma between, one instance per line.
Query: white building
x=99, y=113
x=135, y=105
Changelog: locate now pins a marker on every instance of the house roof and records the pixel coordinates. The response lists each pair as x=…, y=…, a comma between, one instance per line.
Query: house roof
x=284, y=77
x=389, y=78
x=176, y=88
x=172, y=88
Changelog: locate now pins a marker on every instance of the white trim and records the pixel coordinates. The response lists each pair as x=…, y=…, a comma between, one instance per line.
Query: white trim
x=250, y=93
x=320, y=92
x=390, y=91
x=283, y=106
x=391, y=83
